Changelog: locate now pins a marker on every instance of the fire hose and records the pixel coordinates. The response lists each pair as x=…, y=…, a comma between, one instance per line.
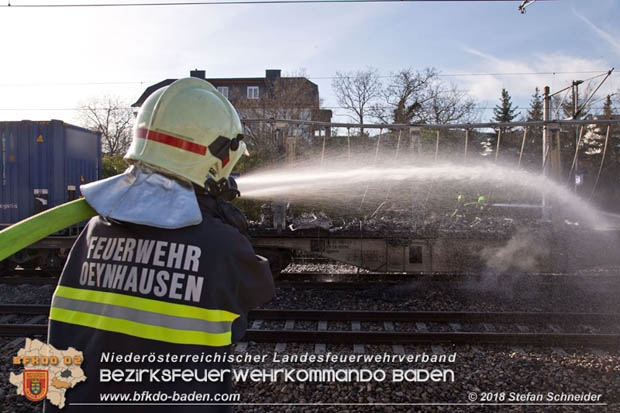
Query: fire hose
x=39, y=226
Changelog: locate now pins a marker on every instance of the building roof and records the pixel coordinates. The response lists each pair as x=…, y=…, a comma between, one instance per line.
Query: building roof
x=215, y=82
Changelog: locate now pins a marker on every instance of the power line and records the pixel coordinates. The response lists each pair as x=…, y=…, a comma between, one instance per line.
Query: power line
x=144, y=82
x=74, y=83
x=485, y=74
x=226, y=2
x=63, y=109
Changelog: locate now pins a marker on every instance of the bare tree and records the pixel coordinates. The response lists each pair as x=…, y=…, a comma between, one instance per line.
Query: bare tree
x=357, y=91
x=405, y=96
x=449, y=104
x=114, y=119
x=421, y=97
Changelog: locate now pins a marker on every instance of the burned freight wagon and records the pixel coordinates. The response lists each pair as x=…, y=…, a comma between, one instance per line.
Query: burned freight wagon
x=43, y=164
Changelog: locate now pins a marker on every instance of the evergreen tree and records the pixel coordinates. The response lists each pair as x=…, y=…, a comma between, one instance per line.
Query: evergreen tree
x=608, y=191
x=608, y=110
x=535, y=111
x=504, y=112
x=534, y=134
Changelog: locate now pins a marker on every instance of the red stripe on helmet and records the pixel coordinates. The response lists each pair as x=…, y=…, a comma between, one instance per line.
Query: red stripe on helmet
x=225, y=161
x=171, y=140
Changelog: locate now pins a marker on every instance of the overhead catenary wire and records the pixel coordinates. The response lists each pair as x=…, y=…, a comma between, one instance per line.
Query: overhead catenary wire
x=557, y=111
x=88, y=83
x=482, y=74
x=602, y=99
x=595, y=90
x=224, y=2
x=142, y=82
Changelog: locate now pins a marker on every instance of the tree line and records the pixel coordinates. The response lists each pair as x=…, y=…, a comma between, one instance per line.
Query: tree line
x=410, y=96
x=407, y=96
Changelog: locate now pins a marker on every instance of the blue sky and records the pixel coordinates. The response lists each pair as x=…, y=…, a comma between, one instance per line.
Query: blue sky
x=60, y=58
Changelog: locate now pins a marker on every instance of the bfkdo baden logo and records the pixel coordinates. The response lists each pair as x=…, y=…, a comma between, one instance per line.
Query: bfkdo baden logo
x=48, y=372
x=36, y=384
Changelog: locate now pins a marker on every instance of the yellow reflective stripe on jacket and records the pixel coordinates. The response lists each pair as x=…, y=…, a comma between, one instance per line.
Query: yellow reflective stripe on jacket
x=145, y=304
x=142, y=317
x=135, y=329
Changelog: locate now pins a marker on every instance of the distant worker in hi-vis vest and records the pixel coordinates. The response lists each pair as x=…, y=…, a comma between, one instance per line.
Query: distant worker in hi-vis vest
x=157, y=286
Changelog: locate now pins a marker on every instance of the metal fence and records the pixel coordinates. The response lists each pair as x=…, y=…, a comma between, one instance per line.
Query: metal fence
x=558, y=141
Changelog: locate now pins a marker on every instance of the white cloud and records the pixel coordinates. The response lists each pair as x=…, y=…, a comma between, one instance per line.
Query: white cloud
x=521, y=77
x=614, y=41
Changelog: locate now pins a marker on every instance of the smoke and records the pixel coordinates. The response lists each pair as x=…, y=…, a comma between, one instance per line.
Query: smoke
x=524, y=252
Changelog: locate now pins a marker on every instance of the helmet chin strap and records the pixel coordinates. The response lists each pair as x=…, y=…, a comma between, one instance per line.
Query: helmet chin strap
x=225, y=188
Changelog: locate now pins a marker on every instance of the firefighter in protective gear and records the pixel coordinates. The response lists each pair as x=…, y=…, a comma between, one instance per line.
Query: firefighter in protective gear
x=162, y=280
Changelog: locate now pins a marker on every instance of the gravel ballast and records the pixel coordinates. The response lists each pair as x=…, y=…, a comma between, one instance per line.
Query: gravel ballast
x=488, y=370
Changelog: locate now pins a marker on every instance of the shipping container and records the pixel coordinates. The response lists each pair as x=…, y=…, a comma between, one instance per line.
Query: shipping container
x=43, y=164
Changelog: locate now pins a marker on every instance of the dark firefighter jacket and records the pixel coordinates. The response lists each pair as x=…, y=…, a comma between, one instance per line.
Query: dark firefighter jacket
x=139, y=290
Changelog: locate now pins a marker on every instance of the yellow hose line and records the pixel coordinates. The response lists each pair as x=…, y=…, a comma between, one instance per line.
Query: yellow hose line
x=31, y=230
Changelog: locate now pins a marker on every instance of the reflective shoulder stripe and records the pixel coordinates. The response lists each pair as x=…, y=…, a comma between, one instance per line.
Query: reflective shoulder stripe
x=132, y=328
x=145, y=304
x=142, y=317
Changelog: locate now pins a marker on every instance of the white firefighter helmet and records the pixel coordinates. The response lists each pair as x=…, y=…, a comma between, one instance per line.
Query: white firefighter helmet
x=189, y=130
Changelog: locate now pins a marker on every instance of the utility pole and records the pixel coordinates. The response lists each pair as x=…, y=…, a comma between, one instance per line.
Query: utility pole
x=576, y=84
x=546, y=147
x=287, y=151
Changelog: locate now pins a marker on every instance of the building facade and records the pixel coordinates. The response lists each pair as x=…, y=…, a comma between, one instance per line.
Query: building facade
x=269, y=97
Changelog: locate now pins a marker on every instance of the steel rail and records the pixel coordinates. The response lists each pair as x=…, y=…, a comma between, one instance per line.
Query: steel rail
x=437, y=316
x=23, y=330
x=387, y=337
x=390, y=337
x=39, y=309
x=399, y=337
x=46, y=279
x=397, y=316
x=324, y=279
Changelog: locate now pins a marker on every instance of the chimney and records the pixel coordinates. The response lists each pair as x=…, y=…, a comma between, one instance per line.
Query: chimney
x=200, y=74
x=272, y=75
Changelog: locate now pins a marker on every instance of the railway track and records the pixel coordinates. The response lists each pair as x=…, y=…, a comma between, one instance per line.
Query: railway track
x=342, y=281
x=33, y=277
x=398, y=328
x=335, y=280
